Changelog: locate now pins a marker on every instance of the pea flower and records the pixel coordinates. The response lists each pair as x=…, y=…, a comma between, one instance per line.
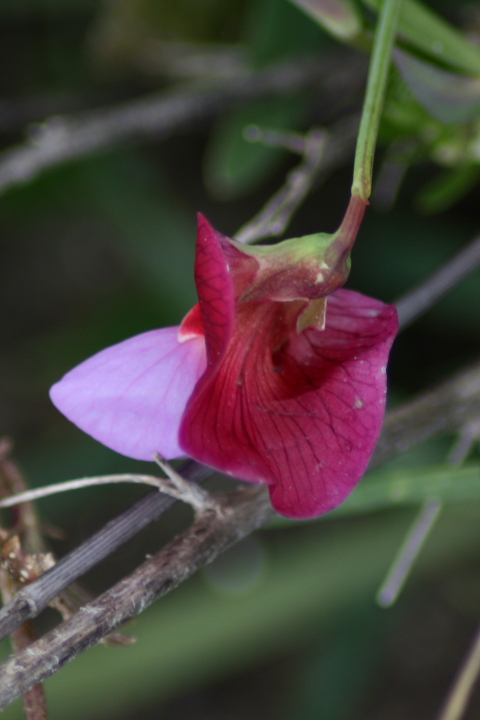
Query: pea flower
x=276, y=376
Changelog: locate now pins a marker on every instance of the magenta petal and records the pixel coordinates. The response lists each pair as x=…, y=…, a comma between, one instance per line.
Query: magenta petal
x=131, y=396
x=215, y=290
x=301, y=413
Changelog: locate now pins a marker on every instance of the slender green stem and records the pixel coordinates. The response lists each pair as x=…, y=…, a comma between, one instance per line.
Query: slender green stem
x=374, y=97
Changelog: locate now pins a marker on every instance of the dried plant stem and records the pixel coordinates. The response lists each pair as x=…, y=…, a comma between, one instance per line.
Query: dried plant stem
x=28, y=520
x=321, y=153
x=422, y=526
x=28, y=525
x=79, y=484
x=32, y=599
x=34, y=701
x=243, y=512
x=463, y=685
x=277, y=213
x=423, y=297
x=60, y=139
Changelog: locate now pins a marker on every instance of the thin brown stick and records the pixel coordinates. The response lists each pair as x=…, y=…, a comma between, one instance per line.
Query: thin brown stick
x=243, y=512
x=422, y=525
x=34, y=702
x=28, y=520
x=461, y=691
x=60, y=139
x=427, y=294
x=277, y=213
x=28, y=525
x=321, y=152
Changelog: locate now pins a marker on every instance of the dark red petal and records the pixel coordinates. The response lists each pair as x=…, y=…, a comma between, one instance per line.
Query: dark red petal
x=302, y=416
x=215, y=291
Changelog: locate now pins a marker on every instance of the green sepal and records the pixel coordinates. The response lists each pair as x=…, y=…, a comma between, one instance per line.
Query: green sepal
x=304, y=268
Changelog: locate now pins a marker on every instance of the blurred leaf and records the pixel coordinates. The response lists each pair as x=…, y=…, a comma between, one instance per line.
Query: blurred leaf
x=28, y=8
x=274, y=29
x=128, y=30
x=414, y=246
x=156, y=234
x=428, y=32
x=397, y=487
x=339, y=17
x=449, y=97
x=233, y=166
x=447, y=188
x=411, y=486
x=403, y=115
x=338, y=673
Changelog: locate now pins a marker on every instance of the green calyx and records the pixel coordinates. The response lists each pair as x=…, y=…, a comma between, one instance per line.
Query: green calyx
x=308, y=267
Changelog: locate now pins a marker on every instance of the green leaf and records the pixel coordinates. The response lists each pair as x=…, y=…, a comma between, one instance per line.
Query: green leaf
x=449, y=97
x=274, y=29
x=398, y=487
x=234, y=167
x=447, y=188
x=347, y=658
x=428, y=32
x=156, y=232
x=339, y=17
x=411, y=486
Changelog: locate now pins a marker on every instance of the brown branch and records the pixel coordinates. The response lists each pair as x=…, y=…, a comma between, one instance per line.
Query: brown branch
x=243, y=512
x=443, y=410
x=61, y=139
x=423, y=297
x=32, y=599
x=34, y=701
x=277, y=213
x=322, y=152
x=16, y=567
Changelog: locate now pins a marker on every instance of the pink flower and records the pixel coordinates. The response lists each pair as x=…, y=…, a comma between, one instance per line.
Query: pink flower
x=257, y=387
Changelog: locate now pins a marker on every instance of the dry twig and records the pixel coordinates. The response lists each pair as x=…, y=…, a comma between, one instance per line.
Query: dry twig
x=17, y=567
x=462, y=688
x=243, y=512
x=61, y=139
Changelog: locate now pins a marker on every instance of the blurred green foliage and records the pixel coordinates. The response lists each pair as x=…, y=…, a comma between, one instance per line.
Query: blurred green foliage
x=100, y=249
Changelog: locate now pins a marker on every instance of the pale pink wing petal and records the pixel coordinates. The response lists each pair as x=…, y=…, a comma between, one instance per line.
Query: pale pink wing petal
x=131, y=396
x=303, y=416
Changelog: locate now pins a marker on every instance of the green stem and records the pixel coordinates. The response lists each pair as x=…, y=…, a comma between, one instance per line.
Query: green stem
x=374, y=97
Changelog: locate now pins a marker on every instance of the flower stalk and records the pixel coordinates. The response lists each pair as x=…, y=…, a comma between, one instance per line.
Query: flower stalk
x=374, y=97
